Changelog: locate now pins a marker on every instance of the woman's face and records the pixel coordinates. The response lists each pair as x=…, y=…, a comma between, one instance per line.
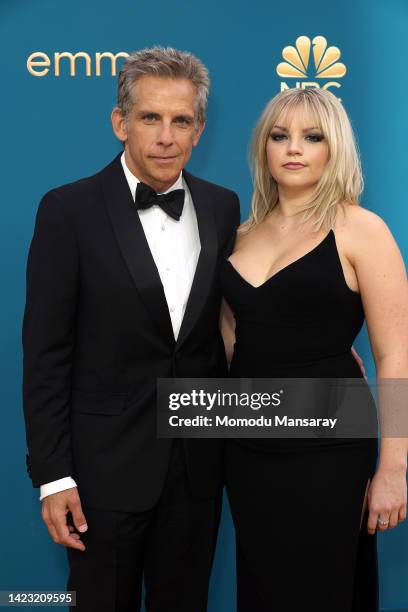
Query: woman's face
x=297, y=152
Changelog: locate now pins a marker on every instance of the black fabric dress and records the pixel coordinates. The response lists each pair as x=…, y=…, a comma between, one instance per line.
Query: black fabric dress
x=296, y=503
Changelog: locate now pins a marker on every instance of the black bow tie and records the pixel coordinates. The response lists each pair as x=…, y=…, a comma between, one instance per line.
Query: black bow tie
x=172, y=202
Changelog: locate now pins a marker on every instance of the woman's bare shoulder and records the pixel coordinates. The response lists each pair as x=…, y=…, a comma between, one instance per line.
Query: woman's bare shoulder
x=358, y=216
x=244, y=227
x=243, y=233
x=360, y=231
x=355, y=220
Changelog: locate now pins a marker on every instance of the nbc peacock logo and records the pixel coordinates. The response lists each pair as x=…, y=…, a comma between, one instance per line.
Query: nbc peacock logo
x=298, y=64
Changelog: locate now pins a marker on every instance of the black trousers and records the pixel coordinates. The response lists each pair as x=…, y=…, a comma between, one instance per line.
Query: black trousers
x=171, y=546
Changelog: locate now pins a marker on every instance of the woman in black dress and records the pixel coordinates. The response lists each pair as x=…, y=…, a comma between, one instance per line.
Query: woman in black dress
x=308, y=266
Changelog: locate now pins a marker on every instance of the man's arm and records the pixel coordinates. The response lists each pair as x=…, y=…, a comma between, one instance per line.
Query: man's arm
x=56, y=486
x=49, y=342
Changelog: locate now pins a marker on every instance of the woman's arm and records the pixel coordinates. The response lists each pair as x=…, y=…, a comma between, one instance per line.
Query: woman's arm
x=227, y=327
x=383, y=286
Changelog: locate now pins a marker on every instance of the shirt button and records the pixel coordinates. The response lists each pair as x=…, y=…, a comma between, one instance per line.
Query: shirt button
x=167, y=269
x=163, y=228
x=172, y=309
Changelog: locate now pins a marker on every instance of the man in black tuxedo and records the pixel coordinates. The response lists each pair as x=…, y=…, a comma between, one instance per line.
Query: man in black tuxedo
x=122, y=290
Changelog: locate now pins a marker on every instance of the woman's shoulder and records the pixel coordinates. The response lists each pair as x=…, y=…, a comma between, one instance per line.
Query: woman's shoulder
x=243, y=231
x=360, y=230
x=244, y=227
x=359, y=221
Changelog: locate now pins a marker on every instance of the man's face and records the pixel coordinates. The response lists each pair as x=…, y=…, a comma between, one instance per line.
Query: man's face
x=160, y=130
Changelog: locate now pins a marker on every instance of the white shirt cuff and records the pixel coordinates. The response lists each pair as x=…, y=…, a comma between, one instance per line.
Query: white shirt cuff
x=56, y=486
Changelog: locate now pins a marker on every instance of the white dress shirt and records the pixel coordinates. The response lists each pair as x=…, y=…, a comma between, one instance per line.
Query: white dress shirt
x=175, y=247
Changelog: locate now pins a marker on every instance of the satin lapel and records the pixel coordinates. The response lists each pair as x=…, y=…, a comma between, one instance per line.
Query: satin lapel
x=207, y=259
x=134, y=246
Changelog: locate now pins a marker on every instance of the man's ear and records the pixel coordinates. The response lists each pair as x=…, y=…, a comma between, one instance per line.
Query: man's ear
x=119, y=124
x=198, y=133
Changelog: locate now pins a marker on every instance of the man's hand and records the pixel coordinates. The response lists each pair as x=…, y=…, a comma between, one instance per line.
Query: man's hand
x=359, y=361
x=54, y=512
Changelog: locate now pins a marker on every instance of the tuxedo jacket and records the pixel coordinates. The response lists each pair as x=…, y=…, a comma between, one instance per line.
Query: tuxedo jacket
x=97, y=334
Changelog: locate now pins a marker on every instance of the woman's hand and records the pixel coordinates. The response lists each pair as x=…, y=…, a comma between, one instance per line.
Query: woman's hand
x=387, y=499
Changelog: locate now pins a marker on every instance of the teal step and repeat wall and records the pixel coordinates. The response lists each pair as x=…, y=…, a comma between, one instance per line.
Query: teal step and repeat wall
x=55, y=128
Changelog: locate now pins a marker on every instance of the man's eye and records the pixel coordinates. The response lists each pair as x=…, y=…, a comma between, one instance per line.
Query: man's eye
x=149, y=117
x=182, y=120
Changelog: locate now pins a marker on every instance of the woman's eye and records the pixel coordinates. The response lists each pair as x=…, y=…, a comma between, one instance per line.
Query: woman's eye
x=315, y=137
x=278, y=137
x=309, y=137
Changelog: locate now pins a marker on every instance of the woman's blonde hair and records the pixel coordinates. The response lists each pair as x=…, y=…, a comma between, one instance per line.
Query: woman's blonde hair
x=341, y=180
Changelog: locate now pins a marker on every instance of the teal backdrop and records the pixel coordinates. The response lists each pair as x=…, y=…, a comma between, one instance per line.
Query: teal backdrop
x=56, y=129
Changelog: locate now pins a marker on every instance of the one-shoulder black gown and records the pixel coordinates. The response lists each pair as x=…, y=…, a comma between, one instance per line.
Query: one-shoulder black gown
x=296, y=503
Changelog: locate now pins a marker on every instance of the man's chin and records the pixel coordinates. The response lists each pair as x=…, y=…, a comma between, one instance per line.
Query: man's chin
x=166, y=177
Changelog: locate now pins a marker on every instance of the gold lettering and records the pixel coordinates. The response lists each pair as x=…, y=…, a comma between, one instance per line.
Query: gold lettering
x=72, y=58
x=113, y=59
x=331, y=84
x=285, y=86
x=307, y=84
x=32, y=62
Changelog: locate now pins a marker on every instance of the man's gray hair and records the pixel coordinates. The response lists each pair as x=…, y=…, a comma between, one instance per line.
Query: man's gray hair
x=163, y=62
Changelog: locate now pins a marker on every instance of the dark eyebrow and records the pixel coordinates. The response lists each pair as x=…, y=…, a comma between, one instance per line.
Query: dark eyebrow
x=279, y=127
x=147, y=112
x=187, y=117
